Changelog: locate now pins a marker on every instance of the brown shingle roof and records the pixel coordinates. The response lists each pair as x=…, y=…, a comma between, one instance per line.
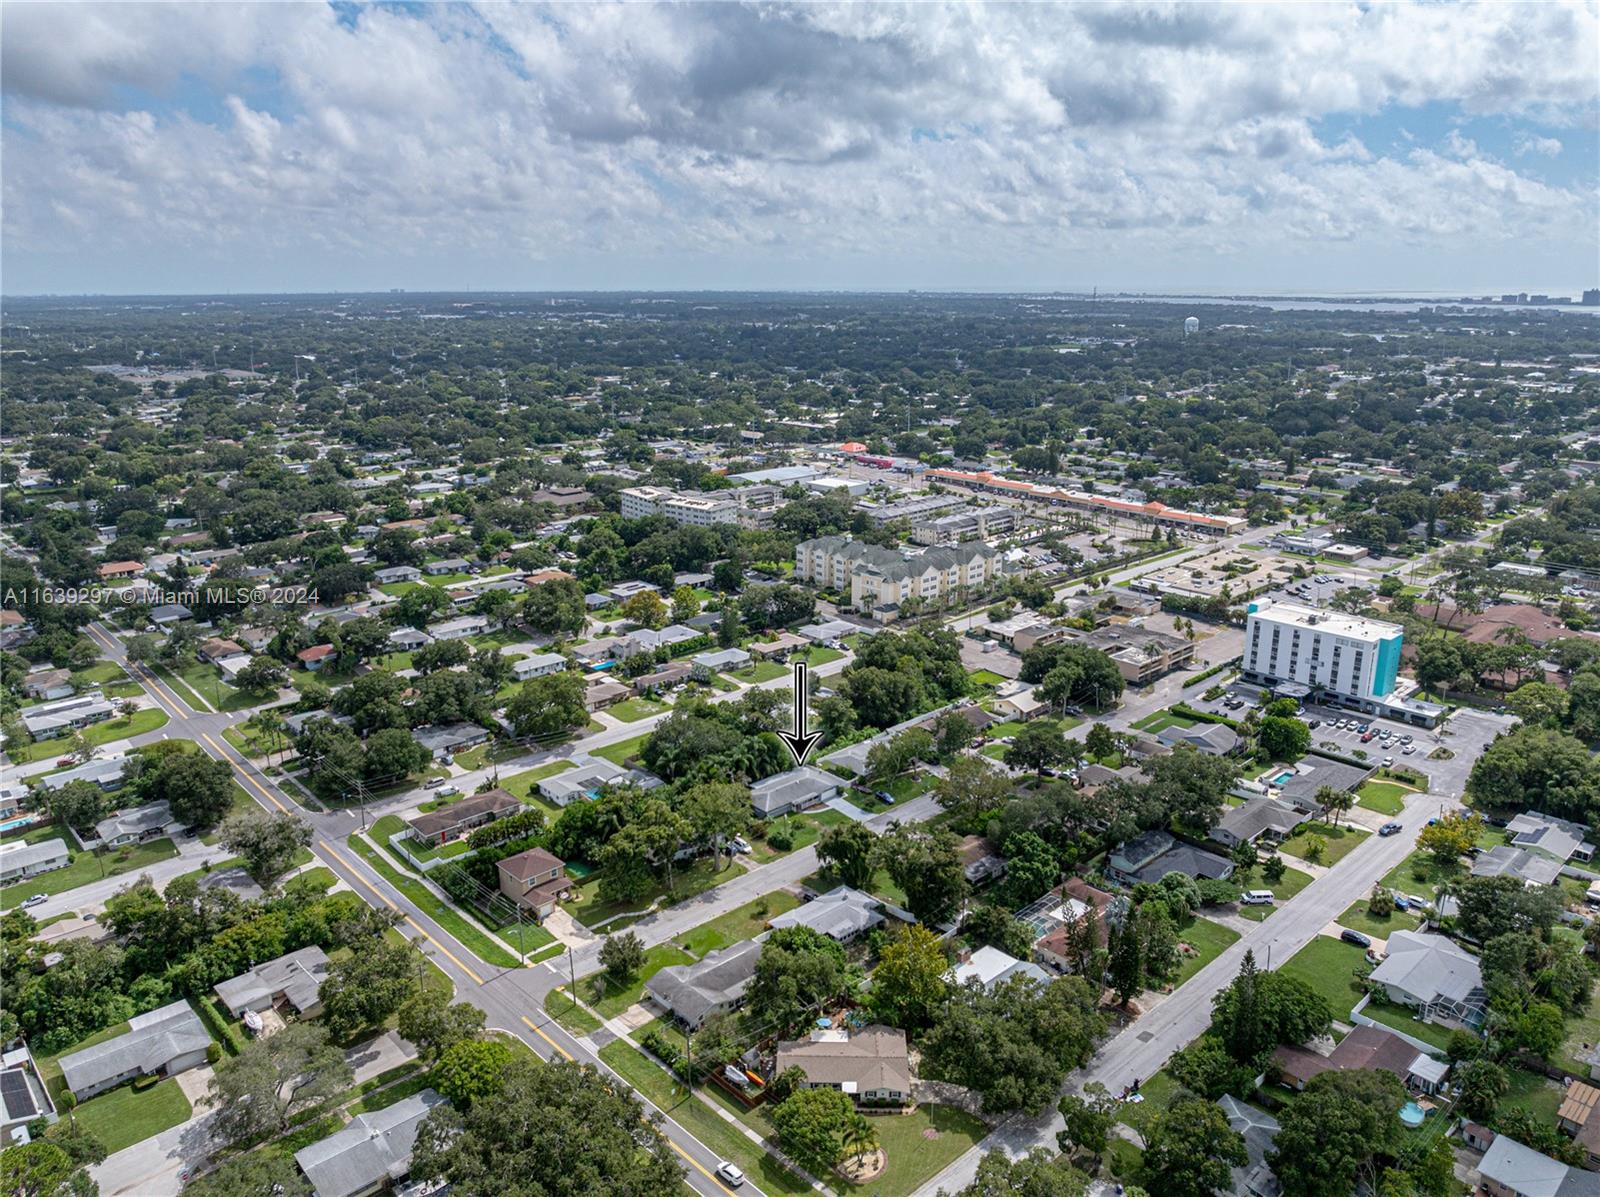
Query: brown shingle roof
x=490, y=802
x=529, y=864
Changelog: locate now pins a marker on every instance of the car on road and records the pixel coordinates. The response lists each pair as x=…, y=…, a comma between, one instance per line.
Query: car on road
x=35, y=899
x=64, y=761
x=433, y=783
x=730, y=1174
x=1390, y=828
x=1355, y=937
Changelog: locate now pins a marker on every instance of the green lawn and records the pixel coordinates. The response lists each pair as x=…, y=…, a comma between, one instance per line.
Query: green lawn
x=881, y=886
x=608, y=999
x=489, y=754
x=1338, y=842
x=1421, y=874
x=123, y=1117
x=746, y=922
x=179, y=687
x=804, y=830
x=1400, y=1019
x=1161, y=721
x=446, y=914
x=986, y=677
x=1580, y=1030
x=108, y=675
x=619, y=752
x=820, y=654
x=521, y=784
x=631, y=710
x=1357, y=919
x=1329, y=966
x=392, y=825
x=700, y=1120
x=1158, y=1093
x=206, y=681
x=147, y=719
x=1209, y=940
x=1292, y=882
x=87, y=867
x=242, y=804
x=382, y=1099
x=919, y=1146
x=1385, y=797
x=560, y=1006
x=699, y=876
x=761, y=671
x=321, y=877
x=1539, y=1095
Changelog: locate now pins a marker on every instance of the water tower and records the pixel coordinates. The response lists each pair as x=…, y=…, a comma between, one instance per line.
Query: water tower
x=1191, y=326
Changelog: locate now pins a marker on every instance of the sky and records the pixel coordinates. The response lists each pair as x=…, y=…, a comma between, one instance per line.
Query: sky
x=1285, y=148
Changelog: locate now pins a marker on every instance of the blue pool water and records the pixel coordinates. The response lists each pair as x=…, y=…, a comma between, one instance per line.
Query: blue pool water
x=13, y=824
x=1281, y=778
x=1412, y=1114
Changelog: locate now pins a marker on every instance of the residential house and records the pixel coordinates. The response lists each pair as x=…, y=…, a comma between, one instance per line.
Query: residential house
x=15, y=631
x=1258, y=1129
x=153, y=821
x=841, y=914
x=1363, y=1049
x=447, y=565
x=602, y=693
x=445, y=739
x=830, y=631
x=451, y=822
x=23, y=1096
x=459, y=628
x=113, y=570
x=1559, y=838
x=1578, y=1118
x=1314, y=772
x=989, y=966
x=1434, y=976
x=317, y=657
x=1508, y=1169
x=668, y=676
x=407, y=640
x=1531, y=868
x=237, y=882
x=292, y=981
x=979, y=862
x=793, y=790
x=1258, y=819
x=1022, y=704
x=160, y=1042
x=649, y=640
x=713, y=985
x=723, y=659
x=370, y=1153
x=391, y=574
x=779, y=646
x=1055, y=921
x=1213, y=739
x=588, y=777
x=535, y=880
x=217, y=647
x=538, y=665
x=65, y=715
x=19, y=860
x=1153, y=855
x=48, y=684
x=869, y=1065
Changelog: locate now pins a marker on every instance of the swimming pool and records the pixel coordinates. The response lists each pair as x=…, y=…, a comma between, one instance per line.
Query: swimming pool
x=13, y=824
x=1412, y=1114
x=1286, y=776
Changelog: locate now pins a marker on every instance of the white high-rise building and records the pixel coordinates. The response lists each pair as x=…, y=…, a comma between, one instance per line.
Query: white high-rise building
x=1341, y=658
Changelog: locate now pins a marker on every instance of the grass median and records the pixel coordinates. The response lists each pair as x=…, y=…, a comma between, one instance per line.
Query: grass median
x=447, y=915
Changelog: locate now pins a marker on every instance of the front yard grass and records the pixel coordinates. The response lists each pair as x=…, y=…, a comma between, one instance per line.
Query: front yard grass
x=696, y=878
x=1158, y=1093
x=1581, y=1030
x=631, y=710
x=1420, y=873
x=384, y=829
x=86, y=866
x=761, y=671
x=609, y=999
x=804, y=830
x=522, y=784
x=1338, y=842
x=820, y=654
x=1209, y=940
x=619, y=752
x=559, y=1005
x=1398, y=1018
x=146, y=719
x=746, y=922
x=1329, y=966
x=122, y=1117
x=1292, y=882
x=1385, y=797
x=1357, y=919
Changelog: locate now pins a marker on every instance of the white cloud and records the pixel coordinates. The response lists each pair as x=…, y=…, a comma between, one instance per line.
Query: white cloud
x=619, y=133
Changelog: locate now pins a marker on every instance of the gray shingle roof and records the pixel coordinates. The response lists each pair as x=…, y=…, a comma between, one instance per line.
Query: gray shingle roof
x=151, y=1041
x=691, y=991
x=298, y=976
x=374, y=1149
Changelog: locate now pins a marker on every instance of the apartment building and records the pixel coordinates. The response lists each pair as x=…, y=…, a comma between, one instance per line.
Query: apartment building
x=978, y=523
x=748, y=506
x=1198, y=523
x=880, y=581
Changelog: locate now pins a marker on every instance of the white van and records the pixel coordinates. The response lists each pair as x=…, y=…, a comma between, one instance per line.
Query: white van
x=1257, y=897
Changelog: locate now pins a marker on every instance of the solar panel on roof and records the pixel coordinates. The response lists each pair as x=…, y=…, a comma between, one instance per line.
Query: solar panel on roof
x=17, y=1096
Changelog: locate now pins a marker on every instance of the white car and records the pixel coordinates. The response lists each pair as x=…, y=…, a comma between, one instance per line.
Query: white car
x=35, y=900
x=1408, y=750
x=730, y=1174
x=1388, y=761
x=740, y=844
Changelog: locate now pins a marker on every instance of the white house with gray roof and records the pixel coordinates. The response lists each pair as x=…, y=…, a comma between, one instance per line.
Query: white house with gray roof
x=1434, y=976
x=19, y=861
x=370, y=1153
x=796, y=789
x=161, y=1042
x=841, y=914
x=713, y=985
x=293, y=980
x=152, y=821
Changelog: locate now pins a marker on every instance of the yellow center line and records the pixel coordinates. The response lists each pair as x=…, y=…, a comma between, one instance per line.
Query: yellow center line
x=529, y=1024
x=151, y=687
x=420, y=929
x=701, y=1168
x=242, y=775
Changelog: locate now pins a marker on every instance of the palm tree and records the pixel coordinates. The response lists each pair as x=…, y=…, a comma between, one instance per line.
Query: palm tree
x=859, y=1135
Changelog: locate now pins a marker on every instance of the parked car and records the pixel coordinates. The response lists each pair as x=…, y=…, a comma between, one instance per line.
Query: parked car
x=35, y=899
x=448, y=791
x=1408, y=750
x=740, y=844
x=1367, y=737
x=64, y=761
x=1407, y=738
x=1355, y=937
x=1390, y=828
x=1388, y=761
x=433, y=783
x=1315, y=723
x=730, y=1174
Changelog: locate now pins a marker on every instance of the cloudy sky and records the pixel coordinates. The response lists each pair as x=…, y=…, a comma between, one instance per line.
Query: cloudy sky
x=1346, y=147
